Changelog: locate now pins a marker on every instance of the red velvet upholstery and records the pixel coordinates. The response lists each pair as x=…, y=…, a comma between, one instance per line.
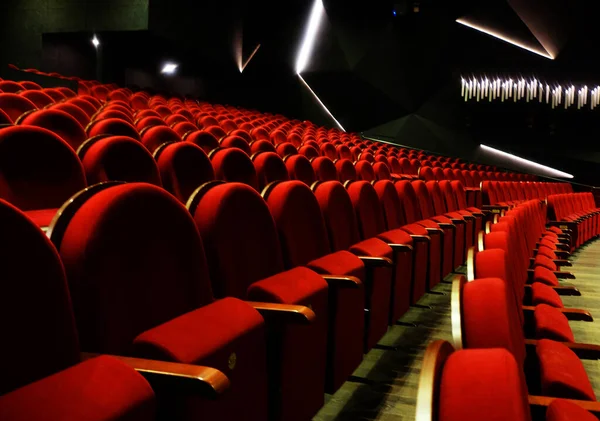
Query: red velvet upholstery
x=39, y=98
x=59, y=122
x=14, y=105
x=299, y=168
x=74, y=111
x=183, y=167
x=261, y=146
x=155, y=136
x=234, y=165
x=346, y=170
x=253, y=269
x=115, y=112
x=550, y=323
x=285, y=149
x=239, y=142
x=101, y=389
x=561, y=372
x=38, y=169
x=563, y=410
x=140, y=285
x=365, y=171
x=86, y=106
x=149, y=121
x=269, y=167
x=545, y=276
x=482, y=384
x=543, y=294
x=113, y=126
x=203, y=139
x=324, y=169
x=119, y=158
x=183, y=127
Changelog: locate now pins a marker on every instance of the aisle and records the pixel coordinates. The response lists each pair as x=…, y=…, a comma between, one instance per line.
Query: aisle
x=393, y=375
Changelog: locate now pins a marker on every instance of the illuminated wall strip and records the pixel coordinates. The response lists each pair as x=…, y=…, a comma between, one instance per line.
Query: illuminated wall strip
x=314, y=22
x=543, y=169
x=243, y=66
x=308, y=43
x=504, y=38
x=321, y=102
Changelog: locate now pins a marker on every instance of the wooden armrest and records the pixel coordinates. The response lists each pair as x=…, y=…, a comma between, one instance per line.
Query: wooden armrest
x=545, y=401
x=446, y=225
x=468, y=217
x=575, y=314
x=376, y=262
x=342, y=281
x=563, y=262
x=438, y=231
x=400, y=248
x=458, y=221
x=564, y=275
x=284, y=313
x=478, y=214
x=420, y=238
x=206, y=381
x=583, y=351
x=564, y=225
x=567, y=291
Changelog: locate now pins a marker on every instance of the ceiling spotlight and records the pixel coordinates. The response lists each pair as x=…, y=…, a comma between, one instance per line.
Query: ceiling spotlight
x=95, y=41
x=169, y=68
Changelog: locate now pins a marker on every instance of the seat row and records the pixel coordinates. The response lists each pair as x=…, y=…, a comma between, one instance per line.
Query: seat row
x=577, y=212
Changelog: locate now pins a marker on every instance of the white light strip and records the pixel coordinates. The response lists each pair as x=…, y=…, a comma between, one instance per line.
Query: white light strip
x=495, y=34
x=316, y=15
x=242, y=67
x=321, y=102
x=551, y=172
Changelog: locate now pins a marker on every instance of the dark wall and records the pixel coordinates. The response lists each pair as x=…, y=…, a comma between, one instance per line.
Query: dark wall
x=22, y=23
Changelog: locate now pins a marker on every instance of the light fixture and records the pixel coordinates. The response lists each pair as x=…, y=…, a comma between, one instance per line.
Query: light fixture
x=542, y=52
x=169, y=68
x=314, y=21
x=95, y=41
x=533, y=166
x=243, y=66
x=530, y=89
x=321, y=103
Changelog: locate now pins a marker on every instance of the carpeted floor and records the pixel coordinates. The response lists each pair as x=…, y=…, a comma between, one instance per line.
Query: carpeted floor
x=391, y=376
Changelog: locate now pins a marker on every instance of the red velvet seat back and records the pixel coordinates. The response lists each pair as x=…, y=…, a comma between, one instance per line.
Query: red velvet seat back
x=115, y=112
x=114, y=127
x=59, y=122
x=324, y=169
x=184, y=167
x=338, y=214
x=426, y=173
x=391, y=205
x=368, y=209
x=408, y=199
x=241, y=247
x=299, y=168
x=460, y=195
x=184, y=127
x=119, y=158
x=233, y=165
x=39, y=98
x=155, y=136
x=14, y=105
x=299, y=222
x=491, y=323
x=134, y=260
x=10, y=86
x=37, y=324
x=424, y=199
x=346, y=170
x=365, y=171
x=482, y=384
x=38, y=169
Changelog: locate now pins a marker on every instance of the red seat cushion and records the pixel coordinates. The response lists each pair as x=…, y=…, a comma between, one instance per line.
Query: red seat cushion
x=543, y=294
x=541, y=260
x=545, y=276
x=472, y=388
x=341, y=263
x=229, y=336
x=561, y=372
x=42, y=217
x=100, y=389
x=563, y=410
x=550, y=323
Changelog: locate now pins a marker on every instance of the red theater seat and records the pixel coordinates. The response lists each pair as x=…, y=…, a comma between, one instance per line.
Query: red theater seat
x=299, y=168
x=58, y=122
x=54, y=384
x=183, y=167
x=155, y=136
x=39, y=98
x=118, y=158
x=15, y=105
x=121, y=240
x=233, y=164
x=112, y=126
